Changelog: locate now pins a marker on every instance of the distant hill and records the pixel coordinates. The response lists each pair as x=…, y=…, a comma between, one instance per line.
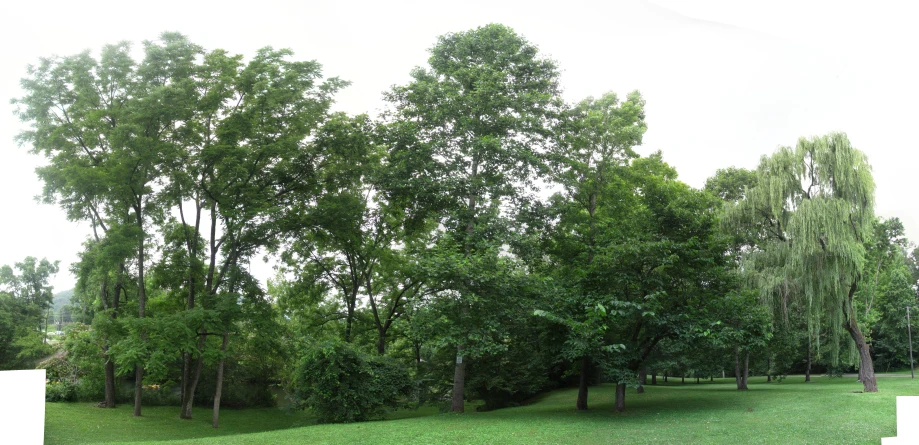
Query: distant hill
x=61, y=298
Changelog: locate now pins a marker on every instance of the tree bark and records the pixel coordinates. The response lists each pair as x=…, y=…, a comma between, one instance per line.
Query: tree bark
x=141, y=309
x=109, y=381
x=740, y=374
x=381, y=343
x=746, y=369
x=620, y=397
x=582, y=386
x=807, y=373
x=459, y=381
x=189, y=402
x=109, y=361
x=866, y=365
x=138, y=388
x=219, y=390
x=654, y=377
x=768, y=374
x=459, y=372
x=350, y=318
x=642, y=379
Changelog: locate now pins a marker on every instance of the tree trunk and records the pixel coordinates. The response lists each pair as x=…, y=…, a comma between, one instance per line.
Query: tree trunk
x=740, y=375
x=138, y=388
x=697, y=380
x=381, y=343
x=109, y=381
x=141, y=309
x=582, y=386
x=866, y=365
x=620, y=397
x=746, y=369
x=219, y=390
x=189, y=402
x=807, y=373
x=642, y=379
x=654, y=377
x=459, y=381
x=457, y=405
x=768, y=374
x=348, y=322
x=665, y=376
x=109, y=362
x=683, y=379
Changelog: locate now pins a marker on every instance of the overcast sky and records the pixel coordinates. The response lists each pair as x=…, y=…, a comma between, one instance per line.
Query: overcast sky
x=725, y=82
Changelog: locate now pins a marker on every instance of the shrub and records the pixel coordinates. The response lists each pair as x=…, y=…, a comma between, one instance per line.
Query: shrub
x=89, y=390
x=58, y=367
x=59, y=391
x=344, y=385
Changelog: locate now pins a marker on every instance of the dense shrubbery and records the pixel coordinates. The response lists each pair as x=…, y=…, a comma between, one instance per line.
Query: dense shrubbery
x=342, y=384
x=60, y=391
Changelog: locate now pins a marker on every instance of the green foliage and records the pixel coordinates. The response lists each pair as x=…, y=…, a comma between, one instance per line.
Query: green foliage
x=814, y=205
x=890, y=336
x=422, y=236
x=25, y=301
x=341, y=384
x=60, y=391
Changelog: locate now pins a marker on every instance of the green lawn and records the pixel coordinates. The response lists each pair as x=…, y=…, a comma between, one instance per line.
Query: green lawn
x=827, y=411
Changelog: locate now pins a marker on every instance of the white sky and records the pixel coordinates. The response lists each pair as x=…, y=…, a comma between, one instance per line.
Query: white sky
x=725, y=81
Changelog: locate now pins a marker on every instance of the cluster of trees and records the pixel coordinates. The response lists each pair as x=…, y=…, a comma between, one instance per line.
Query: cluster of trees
x=25, y=305
x=483, y=236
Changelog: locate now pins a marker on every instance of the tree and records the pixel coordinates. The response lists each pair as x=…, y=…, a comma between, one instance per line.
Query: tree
x=104, y=126
x=469, y=129
x=128, y=141
x=814, y=206
x=666, y=266
x=889, y=337
x=597, y=140
x=244, y=163
x=25, y=298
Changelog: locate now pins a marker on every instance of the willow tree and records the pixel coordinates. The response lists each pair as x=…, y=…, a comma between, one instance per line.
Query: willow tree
x=814, y=207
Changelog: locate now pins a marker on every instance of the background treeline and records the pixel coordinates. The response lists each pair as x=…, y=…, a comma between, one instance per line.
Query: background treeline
x=481, y=239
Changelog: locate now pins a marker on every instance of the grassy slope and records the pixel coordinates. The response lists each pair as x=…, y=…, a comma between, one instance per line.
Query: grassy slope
x=825, y=412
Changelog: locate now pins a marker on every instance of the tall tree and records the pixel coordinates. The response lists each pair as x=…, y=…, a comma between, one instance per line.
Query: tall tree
x=477, y=118
x=244, y=164
x=597, y=140
x=814, y=204
x=105, y=127
x=128, y=141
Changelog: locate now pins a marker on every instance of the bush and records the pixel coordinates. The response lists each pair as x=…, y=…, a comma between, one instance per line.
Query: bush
x=89, y=390
x=58, y=367
x=507, y=379
x=344, y=385
x=59, y=391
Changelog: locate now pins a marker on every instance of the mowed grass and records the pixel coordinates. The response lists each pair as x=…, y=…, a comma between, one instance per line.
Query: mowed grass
x=826, y=411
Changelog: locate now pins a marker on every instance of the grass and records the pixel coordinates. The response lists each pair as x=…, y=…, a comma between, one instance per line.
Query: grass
x=827, y=411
